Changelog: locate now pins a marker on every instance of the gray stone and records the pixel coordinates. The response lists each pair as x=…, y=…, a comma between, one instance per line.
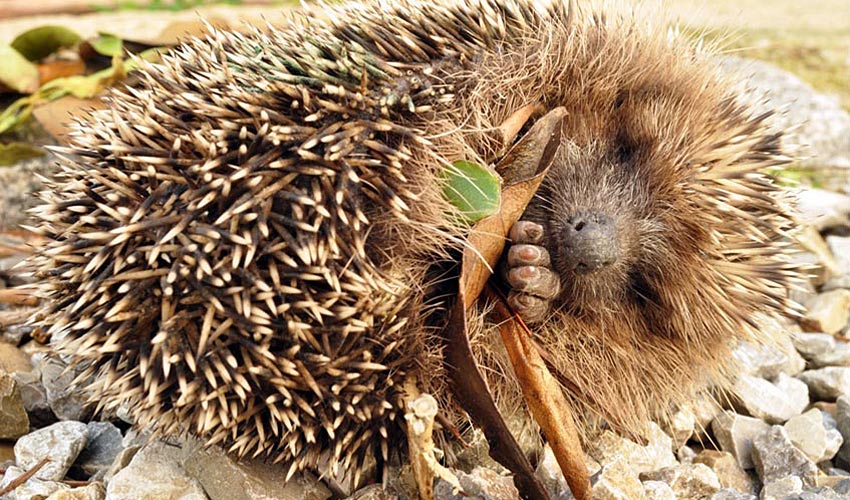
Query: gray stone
x=817, y=270
x=823, y=209
x=617, y=480
x=819, y=493
x=827, y=312
x=835, y=471
x=155, y=473
x=817, y=121
x=840, y=248
x=14, y=421
x=136, y=437
x=103, y=446
x=442, y=491
x=67, y=400
x=781, y=488
x=827, y=383
x=806, y=290
x=843, y=487
x=775, y=458
x=35, y=398
x=372, y=492
x=657, y=454
x=13, y=360
x=485, y=484
x=125, y=456
x=808, y=434
x=658, y=490
x=686, y=455
x=32, y=488
x=769, y=360
x=834, y=441
x=795, y=390
x=833, y=283
x=813, y=345
x=705, y=408
x=19, y=184
x=477, y=453
x=223, y=478
x=735, y=433
x=730, y=494
x=773, y=403
x=549, y=473
x=729, y=471
x=823, y=266
x=842, y=417
x=687, y=481
x=61, y=442
x=838, y=356
x=93, y=491
x=680, y=426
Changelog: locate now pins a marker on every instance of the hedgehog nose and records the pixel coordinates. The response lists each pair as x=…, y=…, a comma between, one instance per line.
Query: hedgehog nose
x=590, y=243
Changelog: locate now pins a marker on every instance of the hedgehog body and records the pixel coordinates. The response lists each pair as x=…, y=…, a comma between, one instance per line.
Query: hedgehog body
x=243, y=246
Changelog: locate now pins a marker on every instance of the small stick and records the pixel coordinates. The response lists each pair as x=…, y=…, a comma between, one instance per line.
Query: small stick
x=24, y=477
x=421, y=411
x=9, y=318
x=18, y=297
x=544, y=397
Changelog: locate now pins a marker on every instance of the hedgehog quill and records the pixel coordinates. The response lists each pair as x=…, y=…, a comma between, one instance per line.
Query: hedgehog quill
x=251, y=244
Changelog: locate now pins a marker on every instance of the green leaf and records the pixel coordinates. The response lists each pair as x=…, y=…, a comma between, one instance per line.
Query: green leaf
x=107, y=45
x=473, y=189
x=16, y=151
x=40, y=42
x=16, y=72
x=16, y=113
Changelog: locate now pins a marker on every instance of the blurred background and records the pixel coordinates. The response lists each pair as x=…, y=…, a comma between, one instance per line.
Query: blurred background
x=56, y=56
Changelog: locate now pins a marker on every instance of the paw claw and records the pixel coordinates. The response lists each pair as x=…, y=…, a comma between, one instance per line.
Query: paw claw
x=526, y=232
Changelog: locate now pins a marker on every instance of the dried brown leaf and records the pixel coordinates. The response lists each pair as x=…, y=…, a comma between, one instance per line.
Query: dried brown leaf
x=59, y=69
x=535, y=150
x=544, y=397
x=56, y=116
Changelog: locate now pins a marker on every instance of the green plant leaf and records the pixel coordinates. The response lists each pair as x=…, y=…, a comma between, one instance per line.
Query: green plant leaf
x=40, y=42
x=14, y=152
x=473, y=189
x=16, y=113
x=83, y=87
x=107, y=45
x=16, y=72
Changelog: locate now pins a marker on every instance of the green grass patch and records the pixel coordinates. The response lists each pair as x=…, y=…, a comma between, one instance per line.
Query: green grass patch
x=171, y=5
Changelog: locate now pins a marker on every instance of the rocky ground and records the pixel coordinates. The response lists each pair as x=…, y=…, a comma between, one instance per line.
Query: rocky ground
x=784, y=433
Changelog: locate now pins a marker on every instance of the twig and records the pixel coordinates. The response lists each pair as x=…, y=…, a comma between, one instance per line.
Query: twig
x=421, y=410
x=76, y=484
x=18, y=297
x=9, y=318
x=24, y=477
x=544, y=397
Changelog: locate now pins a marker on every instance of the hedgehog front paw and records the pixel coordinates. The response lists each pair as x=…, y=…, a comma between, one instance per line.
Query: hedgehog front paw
x=526, y=269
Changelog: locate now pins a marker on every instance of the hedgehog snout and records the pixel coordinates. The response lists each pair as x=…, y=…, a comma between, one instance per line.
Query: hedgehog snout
x=590, y=243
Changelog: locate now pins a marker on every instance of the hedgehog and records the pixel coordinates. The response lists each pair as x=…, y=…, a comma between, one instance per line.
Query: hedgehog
x=251, y=243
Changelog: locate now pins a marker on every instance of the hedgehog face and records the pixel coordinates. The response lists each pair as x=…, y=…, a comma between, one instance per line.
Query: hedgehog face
x=597, y=215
